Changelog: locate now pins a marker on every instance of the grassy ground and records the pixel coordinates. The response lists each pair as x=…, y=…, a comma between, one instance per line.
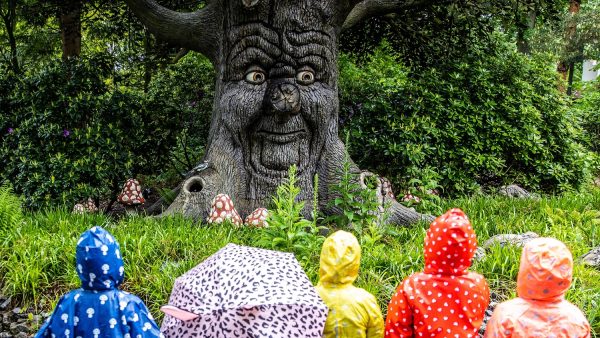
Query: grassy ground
x=37, y=250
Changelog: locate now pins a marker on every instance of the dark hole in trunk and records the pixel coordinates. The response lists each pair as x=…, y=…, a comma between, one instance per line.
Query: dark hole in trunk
x=194, y=184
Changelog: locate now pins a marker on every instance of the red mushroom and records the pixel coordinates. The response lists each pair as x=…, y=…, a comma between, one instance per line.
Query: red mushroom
x=221, y=209
x=258, y=218
x=386, y=188
x=410, y=197
x=131, y=195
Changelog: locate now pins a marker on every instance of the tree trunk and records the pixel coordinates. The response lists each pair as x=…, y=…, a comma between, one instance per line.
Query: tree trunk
x=69, y=20
x=564, y=65
x=10, y=21
x=522, y=42
x=147, y=60
x=276, y=101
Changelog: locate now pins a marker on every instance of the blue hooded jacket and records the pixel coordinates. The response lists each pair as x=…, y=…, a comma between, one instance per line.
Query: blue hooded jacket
x=99, y=309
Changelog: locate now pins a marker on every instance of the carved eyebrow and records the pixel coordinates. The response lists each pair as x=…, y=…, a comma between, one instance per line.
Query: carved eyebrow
x=297, y=38
x=253, y=42
x=251, y=49
x=253, y=28
x=311, y=49
x=238, y=65
x=317, y=62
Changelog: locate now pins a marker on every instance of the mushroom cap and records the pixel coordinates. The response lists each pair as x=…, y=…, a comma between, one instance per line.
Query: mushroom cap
x=258, y=218
x=386, y=188
x=131, y=193
x=221, y=209
x=90, y=205
x=410, y=197
x=78, y=209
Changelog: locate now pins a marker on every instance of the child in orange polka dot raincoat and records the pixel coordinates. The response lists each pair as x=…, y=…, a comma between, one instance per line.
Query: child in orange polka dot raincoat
x=541, y=309
x=445, y=300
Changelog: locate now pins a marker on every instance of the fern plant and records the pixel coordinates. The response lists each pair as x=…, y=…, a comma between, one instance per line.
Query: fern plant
x=288, y=230
x=11, y=213
x=359, y=206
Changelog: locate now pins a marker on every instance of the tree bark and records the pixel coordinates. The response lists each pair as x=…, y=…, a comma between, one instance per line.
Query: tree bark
x=276, y=100
x=564, y=65
x=69, y=20
x=147, y=62
x=10, y=21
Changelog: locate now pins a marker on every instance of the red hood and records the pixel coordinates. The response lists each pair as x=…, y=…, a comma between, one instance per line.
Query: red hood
x=450, y=244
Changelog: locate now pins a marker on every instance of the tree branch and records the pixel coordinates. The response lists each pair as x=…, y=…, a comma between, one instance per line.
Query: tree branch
x=369, y=8
x=196, y=31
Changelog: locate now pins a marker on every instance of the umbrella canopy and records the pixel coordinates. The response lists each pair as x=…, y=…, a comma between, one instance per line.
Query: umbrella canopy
x=245, y=292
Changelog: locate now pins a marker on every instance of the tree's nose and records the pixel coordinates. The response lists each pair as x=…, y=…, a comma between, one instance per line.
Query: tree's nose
x=284, y=99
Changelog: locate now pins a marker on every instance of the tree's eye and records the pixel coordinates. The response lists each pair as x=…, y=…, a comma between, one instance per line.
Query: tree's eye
x=256, y=76
x=305, y=77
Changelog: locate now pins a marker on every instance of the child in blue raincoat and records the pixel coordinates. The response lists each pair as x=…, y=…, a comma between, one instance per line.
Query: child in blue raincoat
x=99, y=309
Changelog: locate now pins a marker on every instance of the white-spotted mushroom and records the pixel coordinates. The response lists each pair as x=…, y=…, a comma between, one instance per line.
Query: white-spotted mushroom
x=408, y=197
x=79, y=209
x=221, y=209
x=258, y=218
x=90, y=205
x=131, y=195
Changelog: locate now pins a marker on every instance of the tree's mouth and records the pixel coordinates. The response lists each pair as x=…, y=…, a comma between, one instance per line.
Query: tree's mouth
x=275, y=147
x=282, y=137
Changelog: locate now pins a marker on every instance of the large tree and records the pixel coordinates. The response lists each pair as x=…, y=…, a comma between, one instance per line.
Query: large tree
x=276, y=98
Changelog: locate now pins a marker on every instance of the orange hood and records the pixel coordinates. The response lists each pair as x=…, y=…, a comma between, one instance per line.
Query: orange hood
x=546, y=270
x=450, y=244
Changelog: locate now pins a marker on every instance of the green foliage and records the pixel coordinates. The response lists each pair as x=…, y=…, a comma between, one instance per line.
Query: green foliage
x=185, y=93
x=587, y=109
x=358, y=206
x=493, y=117
x=73, y=137
x=69, y=133
x=11, y=214
x=38, y=256
x=288, y=230
x=440, y=31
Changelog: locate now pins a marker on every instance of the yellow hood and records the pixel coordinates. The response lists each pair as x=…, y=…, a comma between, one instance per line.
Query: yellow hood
x=340, y=259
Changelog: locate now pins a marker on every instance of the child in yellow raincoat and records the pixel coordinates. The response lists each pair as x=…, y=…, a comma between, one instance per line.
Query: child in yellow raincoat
x=541, y=309
x=353, y=312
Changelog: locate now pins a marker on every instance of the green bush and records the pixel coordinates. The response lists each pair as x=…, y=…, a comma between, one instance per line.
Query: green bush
x=588, y=109
x=185, y=93
x=69, y=131
x=74, y=136
x=491, y=118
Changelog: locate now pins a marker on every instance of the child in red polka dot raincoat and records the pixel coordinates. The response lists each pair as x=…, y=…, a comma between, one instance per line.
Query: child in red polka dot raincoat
x=541, y=309
x=445, y=300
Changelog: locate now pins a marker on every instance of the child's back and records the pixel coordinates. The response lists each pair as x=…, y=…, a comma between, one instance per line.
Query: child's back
x=353, y=312
x=99, y=308
x=540, y=310
x=445, y=300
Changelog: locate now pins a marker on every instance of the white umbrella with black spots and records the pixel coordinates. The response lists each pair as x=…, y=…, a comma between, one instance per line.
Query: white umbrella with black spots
x=242, y=292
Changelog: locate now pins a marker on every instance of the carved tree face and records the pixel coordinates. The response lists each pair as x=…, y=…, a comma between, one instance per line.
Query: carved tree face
x=279, y=95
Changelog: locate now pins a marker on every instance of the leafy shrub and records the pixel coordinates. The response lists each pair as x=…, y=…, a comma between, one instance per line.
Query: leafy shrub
x=287, y=230
x=73, y=136
x=185, y=93
x=359, y=208
x=588, y=110
x=10, y=210
x=493, y=117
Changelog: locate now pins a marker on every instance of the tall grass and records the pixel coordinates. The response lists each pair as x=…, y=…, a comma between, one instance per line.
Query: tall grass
x=38, y=251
